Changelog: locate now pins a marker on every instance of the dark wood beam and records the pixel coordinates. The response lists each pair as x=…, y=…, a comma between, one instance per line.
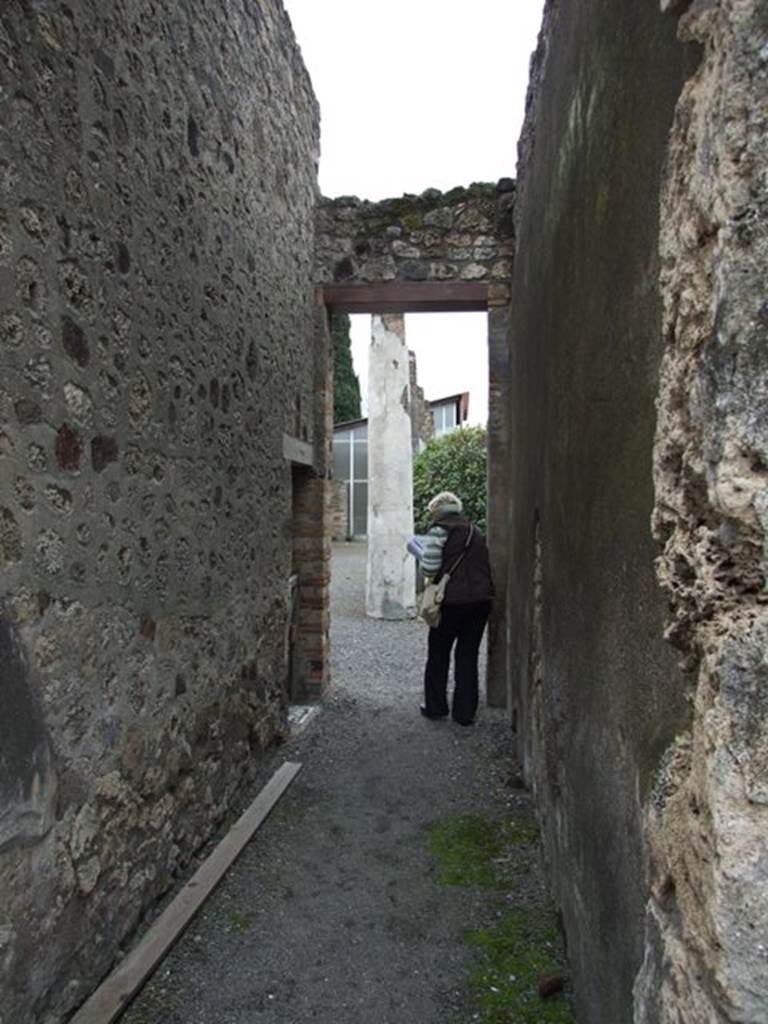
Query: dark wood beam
x=407, y=297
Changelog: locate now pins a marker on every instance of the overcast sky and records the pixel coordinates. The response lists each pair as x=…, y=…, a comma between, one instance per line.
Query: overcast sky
x=418, y=94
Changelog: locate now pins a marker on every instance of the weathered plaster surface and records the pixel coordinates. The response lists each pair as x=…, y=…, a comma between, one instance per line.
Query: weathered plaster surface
x=595, y=692
x=390, y=578
x=707, y=825
x=157, y=191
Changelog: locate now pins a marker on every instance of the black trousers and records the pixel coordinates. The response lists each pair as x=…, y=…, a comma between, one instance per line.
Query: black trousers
x=462, y=624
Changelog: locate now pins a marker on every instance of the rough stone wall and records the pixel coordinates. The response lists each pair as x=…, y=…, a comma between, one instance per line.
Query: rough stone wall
x=463, y=235
x=422, y=421
x=596, y=695
x=339, y=515
x=707, y=823
x=157, y=185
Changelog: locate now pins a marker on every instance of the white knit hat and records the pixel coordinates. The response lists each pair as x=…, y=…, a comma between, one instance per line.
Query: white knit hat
x=444, y=503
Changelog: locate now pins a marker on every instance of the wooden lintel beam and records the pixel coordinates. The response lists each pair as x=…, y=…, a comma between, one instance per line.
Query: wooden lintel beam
x=407, y=297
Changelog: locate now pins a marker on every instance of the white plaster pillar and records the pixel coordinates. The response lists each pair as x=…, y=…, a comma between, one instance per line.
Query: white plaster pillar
x=391, y=576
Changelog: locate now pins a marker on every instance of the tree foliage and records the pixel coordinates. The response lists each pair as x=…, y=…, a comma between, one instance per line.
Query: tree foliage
x=346, y=386
x=456, y=462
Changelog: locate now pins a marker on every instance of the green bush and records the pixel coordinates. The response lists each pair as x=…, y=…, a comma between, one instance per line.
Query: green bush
x=456, y=462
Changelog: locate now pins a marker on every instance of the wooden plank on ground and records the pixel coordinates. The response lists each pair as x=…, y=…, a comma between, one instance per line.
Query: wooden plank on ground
x=116, y=991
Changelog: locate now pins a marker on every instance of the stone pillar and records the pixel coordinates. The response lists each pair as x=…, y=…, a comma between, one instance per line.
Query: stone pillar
x=498, y=490
x=391, y=576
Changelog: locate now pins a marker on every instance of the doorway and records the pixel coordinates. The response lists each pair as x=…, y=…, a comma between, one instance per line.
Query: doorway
x=461, y=296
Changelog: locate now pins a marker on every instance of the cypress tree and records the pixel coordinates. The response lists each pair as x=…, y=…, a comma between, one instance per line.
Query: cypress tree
x=346, y=386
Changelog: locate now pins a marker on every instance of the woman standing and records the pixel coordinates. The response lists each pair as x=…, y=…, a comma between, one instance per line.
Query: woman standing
x=465, y=608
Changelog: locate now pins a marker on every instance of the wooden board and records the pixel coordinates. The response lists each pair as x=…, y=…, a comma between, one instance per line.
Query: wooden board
x=116, y=991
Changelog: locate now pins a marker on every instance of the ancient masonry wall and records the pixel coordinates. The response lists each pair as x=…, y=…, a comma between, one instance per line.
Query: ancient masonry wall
x=422, y=421
x=461, y=235
x=706, y=823
x=640, y=325
x=157, y=185
x=596, y=694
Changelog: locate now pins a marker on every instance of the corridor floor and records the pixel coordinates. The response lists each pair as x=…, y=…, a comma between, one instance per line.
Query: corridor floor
x=334, y=912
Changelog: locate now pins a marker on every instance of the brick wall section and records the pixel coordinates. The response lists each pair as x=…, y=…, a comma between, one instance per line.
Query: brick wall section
x=312, y=550
x=157, y=192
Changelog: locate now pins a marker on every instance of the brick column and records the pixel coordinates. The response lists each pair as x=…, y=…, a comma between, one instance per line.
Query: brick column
x=312, y=527
x=312, y=563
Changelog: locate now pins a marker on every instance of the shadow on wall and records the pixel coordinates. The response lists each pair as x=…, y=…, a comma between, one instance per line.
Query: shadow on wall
x=27, y=777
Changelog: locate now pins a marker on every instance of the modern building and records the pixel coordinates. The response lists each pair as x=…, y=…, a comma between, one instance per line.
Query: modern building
x=350, y=461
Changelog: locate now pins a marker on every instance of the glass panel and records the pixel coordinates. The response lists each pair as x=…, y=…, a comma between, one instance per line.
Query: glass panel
x=361, y=460
x=361, y=432
x=340, y=460
x=360, y=510
x=445, y=418
x=347, y=508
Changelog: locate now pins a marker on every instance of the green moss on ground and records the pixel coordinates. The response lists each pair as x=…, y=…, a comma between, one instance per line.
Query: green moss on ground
x=464, y=847
x=521, y=949
x=472, y=851
x=515, y=955
x=241, y=922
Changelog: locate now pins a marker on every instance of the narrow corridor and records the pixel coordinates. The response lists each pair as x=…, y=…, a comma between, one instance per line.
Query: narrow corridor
x=335, y=912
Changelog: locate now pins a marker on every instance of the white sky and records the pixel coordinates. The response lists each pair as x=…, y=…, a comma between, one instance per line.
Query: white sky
x=418, y=94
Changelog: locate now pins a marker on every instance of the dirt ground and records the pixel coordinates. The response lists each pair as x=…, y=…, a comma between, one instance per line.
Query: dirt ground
x=390, y=878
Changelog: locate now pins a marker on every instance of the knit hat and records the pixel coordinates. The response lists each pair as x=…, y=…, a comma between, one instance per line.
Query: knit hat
x=443, y=504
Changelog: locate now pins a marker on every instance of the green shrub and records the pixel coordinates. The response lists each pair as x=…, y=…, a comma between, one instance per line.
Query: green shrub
x=456, y=462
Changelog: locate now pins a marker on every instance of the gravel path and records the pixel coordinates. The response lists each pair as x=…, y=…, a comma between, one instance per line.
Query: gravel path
x=332, y=914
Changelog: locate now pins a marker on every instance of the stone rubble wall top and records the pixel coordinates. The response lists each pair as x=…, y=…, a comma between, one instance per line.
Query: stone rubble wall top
x=465, y=234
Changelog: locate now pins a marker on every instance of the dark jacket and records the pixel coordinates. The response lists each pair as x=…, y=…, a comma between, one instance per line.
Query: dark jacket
x=471, y=581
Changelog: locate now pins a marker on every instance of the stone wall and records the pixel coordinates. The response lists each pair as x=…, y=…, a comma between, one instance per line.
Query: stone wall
x=596, y=694
x=339, y=513
x=157, y=185
x=706, y=952
x=463, y=235
x=422, y=420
